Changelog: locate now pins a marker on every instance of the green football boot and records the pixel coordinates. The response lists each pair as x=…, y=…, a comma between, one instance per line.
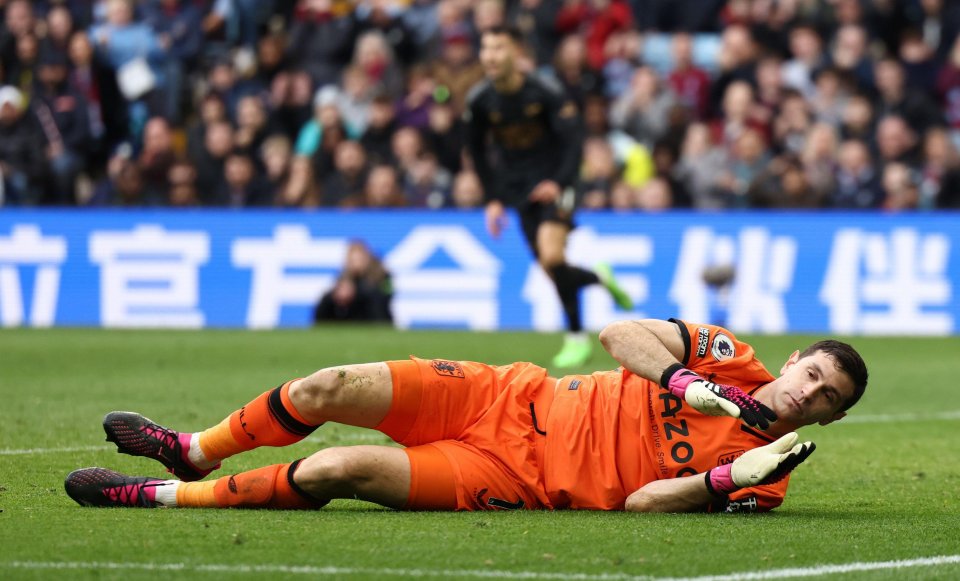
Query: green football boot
x=620, y=296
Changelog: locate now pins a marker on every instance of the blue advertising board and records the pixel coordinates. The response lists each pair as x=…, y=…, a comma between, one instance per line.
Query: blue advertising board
x=843, y=273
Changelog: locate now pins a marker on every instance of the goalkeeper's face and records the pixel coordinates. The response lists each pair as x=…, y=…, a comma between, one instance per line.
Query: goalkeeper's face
x=811, y=390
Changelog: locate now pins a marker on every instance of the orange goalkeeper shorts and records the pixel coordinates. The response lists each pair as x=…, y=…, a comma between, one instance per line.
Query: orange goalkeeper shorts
x=474, y=433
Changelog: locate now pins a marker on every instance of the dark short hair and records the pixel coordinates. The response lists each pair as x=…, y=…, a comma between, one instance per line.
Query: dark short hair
x=848, y=361
x=503, y=29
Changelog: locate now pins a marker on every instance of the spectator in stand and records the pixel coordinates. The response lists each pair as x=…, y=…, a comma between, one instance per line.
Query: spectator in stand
x=62, y=113
x=178, y=25
x=382, y=189
x=59, y=29
x=784, y=184
x=535, y=18
x=426, y=184
x=899, y=191
x=665, y=162
x=769, y=88
x=210, y=162
x=598, y=174
x=379, y=134
x=830, y=96
x=319, y=137
x=850, y=56
x=745, y=161
x=689, y=83
x=405, y=148
x=385, y=16
x=275, y=157
x=572, y=70
x=23, y=74
x=858, y=183
x=135, y=53
x=819, y=159
x=896, y=142
x=301, y=189
x=467, y=191
x=155, y=159
x=444, y=132
x=182, y=178
x=98, y=87
x=373, y=56
x=920, y=65
x=700, y=162
x=363, y=290
x=344, y=185
x=241, y=187
x=22, y=145
x=940, y=159
x=643, y=110
x=252, y=127
x=655, y=196
x=895, y=98
x=211, y=109
x=623, y=197
x=457, y=67
x=857, y=121
x=18, y=21
x=596, y=20
x=792, y=124
x=948, y=91
x=806, y=48
x=321, y=38
x=413, y=109
x=355, y=99
x=622, y=59
x=291, y=100
x=122, y=186
x=737, y=60
x=739, y=114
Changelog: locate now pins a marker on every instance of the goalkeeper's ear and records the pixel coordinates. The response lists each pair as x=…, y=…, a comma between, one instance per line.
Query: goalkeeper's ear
x=794, y=357
x=836, y=416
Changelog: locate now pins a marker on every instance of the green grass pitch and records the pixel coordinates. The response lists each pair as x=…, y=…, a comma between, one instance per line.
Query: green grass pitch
x=883, y=486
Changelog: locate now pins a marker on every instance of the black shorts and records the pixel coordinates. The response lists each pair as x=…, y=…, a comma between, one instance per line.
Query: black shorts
x=532, y=214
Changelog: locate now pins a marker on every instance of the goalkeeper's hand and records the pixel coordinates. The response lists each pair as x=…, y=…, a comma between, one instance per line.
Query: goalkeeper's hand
x=714, y=399
x=764, y=465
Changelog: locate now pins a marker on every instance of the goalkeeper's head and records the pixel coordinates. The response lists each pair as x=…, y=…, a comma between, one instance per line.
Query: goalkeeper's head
x=847, y=360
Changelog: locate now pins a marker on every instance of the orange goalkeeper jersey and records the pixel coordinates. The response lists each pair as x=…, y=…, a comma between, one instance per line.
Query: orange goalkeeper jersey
x=609, y=433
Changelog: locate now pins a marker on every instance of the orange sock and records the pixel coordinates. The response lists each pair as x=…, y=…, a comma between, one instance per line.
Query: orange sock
x=267, y=487
x=269, y=420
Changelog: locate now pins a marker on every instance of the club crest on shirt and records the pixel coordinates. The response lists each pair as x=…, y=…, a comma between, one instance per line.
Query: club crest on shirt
x=447, y=368
x=723, y=348
x=703, y=340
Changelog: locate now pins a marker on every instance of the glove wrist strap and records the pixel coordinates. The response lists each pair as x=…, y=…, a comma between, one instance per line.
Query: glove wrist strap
x=669, y=372
x=719, y=480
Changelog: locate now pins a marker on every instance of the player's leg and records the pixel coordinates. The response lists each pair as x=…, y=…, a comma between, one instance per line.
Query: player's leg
x=378, y=474
x=358, y=395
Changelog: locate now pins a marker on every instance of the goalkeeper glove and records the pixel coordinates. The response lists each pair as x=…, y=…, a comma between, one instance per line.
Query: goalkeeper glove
x=764, y=465
x=714, y=399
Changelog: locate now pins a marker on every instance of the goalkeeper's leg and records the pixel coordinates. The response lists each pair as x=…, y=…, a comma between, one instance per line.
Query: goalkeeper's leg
x=358, y=395
x=378, y=474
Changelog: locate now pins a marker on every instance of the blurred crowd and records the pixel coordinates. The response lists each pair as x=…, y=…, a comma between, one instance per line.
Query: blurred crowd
x=357, y=103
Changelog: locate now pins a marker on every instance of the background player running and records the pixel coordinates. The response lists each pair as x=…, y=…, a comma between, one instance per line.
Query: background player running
x=652, y=435
x=525, y=139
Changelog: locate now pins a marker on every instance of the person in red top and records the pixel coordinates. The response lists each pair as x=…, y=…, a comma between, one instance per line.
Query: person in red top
x=691, y=421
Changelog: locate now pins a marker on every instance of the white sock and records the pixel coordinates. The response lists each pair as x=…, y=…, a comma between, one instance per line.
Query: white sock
x=167, y=493
x=195, y=454
x=579, y=337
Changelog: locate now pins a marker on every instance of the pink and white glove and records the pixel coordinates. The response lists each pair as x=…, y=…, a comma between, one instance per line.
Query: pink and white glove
x=713, y=399
x=764, y=465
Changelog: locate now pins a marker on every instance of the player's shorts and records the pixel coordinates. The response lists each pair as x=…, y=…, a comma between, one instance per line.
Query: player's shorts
x=474, y=433
x=533, y=214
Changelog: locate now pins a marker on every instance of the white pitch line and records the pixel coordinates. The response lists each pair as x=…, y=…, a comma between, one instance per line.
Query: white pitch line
x=793, y=572
x=380, y=438
x=891, y=418
x=31, y=451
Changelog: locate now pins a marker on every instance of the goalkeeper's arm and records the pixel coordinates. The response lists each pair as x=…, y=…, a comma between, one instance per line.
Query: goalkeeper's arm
x=764, y=465
x=652, y=349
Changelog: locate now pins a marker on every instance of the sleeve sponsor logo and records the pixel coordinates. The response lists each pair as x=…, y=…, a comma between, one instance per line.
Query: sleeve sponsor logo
x=447, y=368
x=703, y=340
x=723, y=347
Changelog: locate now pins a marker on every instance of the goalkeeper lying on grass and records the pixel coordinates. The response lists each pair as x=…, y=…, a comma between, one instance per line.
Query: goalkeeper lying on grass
x=667, y=431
